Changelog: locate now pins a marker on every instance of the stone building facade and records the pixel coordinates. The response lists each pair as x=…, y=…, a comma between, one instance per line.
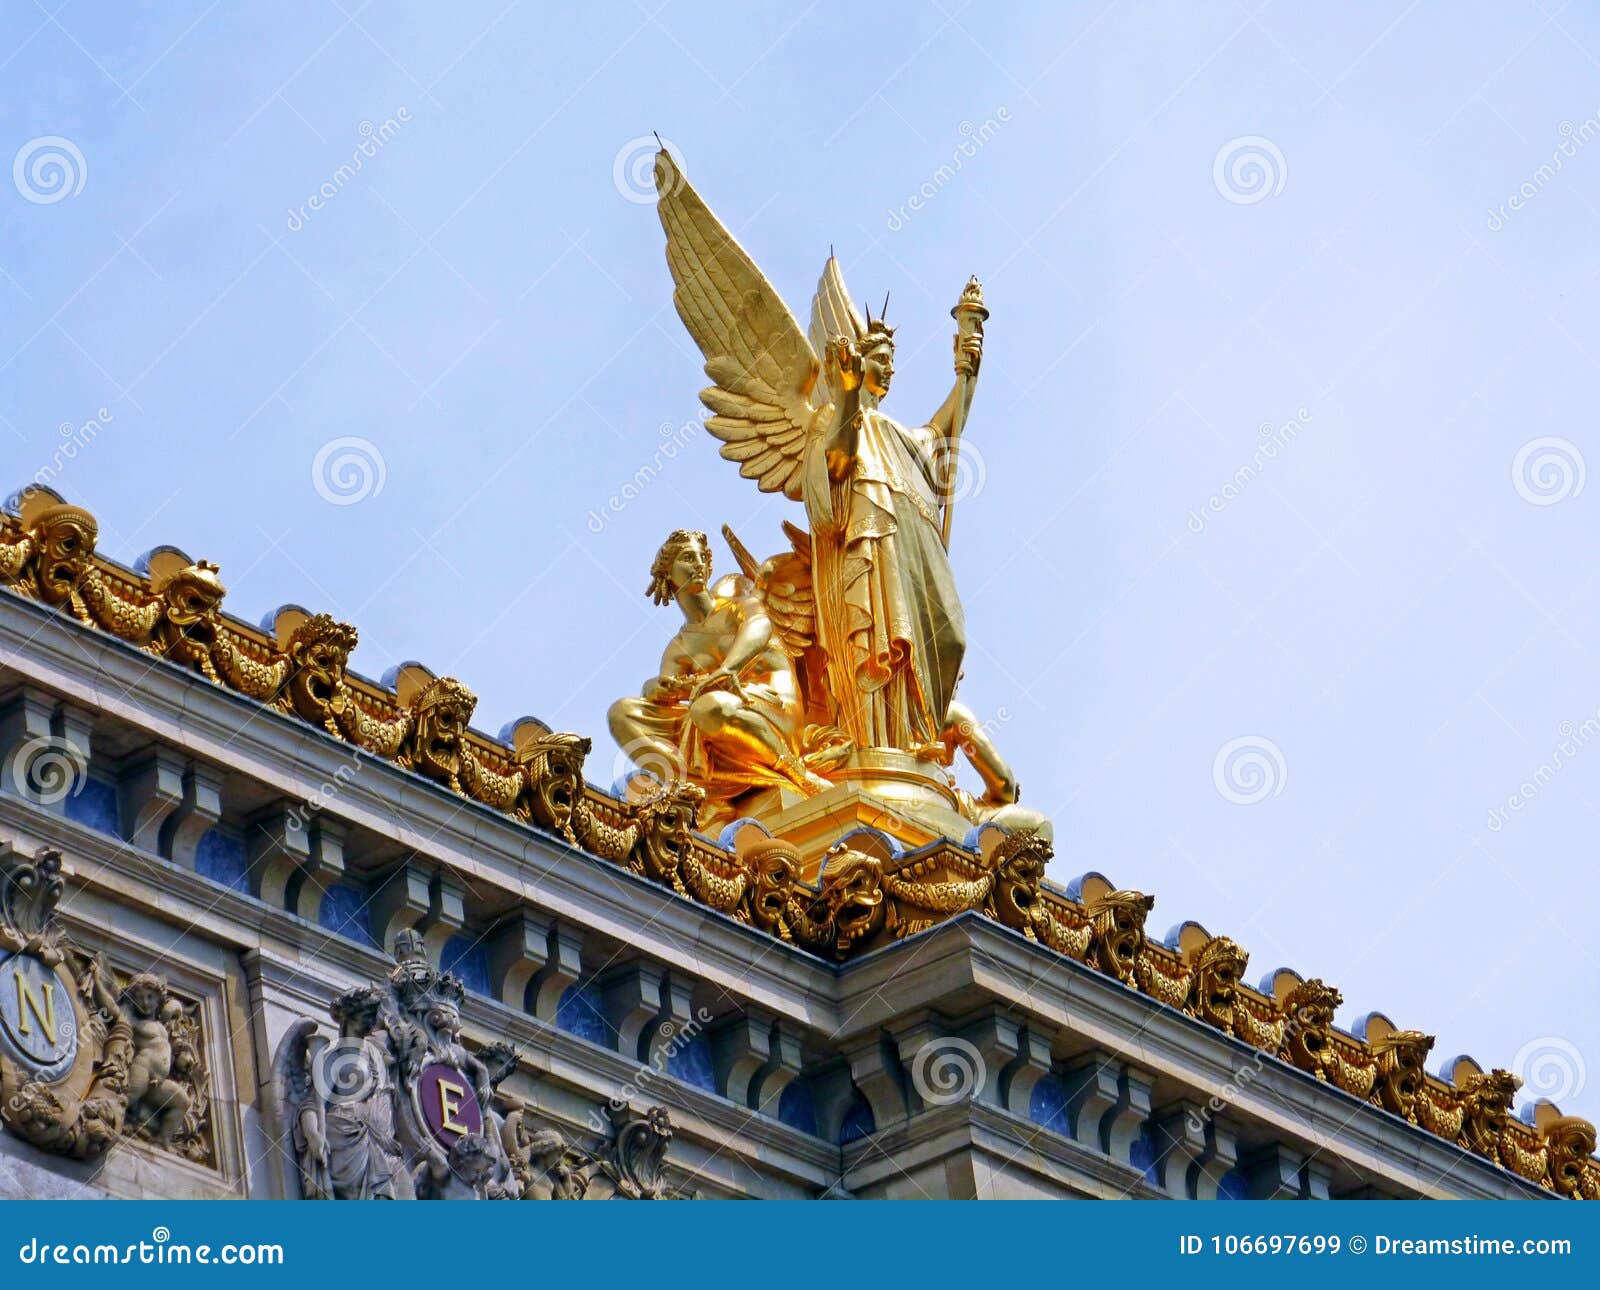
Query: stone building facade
x=270, y=929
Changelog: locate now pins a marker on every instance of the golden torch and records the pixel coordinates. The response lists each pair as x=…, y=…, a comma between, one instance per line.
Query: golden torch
x=969, y=313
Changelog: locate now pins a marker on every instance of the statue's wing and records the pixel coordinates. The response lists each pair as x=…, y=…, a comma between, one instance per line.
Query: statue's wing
x=784, y=582
x=292, y=1066
x=833, y=313
x=764, y=371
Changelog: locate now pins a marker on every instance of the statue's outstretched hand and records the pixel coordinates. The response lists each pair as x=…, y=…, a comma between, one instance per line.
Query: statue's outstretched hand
x=969, y=355
x=843, y=361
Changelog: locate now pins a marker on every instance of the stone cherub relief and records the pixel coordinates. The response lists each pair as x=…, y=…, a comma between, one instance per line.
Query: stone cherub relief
x=396, y=1107
x=837, y=659
x=88, y=1060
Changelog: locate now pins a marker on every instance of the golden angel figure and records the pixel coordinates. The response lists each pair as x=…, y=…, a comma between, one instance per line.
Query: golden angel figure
x=802, y=416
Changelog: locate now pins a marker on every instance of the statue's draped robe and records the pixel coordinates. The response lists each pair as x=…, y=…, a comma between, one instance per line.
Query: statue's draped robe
x=889, y=619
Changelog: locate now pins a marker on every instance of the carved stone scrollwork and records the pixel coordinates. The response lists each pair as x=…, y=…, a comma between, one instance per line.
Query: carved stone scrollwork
x=84, y=1060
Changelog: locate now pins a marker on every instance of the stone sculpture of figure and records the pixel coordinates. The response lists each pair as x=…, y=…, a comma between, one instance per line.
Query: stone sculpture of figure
x=364, y=1157
x=725, y=710
x=157, y=1103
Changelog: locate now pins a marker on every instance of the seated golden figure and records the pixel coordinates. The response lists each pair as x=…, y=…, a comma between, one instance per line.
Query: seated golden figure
x=725, y=711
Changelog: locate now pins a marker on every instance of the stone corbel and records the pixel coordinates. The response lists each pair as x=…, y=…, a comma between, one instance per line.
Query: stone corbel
x=446, y=915
x=1280, y=1172
x=562, y=967
x=1193, y=1150
x=278, y=848
x=532, y=962
x=677, y=1012
x=400, y=902
x=876, y=1070
x=1108, y=1102
x=741, y=1049
x=632, y=998
x=780, y=1070
x=24, y=725
x=149, y=790
x=1013, y=1061
x=199, y=807
x=324, y=866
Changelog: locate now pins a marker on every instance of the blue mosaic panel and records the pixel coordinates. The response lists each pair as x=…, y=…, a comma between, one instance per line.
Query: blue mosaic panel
x=468, y=958
x=1231, y=1186
x=344, y=910
x=95, y=807
x=222, y=859
x=797, y=1108
x=579, y=1013
x=858, y=1122
x=1048, y=1107
x=1142, y=1155
x=692, y=1064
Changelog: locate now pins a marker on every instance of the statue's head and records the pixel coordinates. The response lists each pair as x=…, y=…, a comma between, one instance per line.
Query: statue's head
x=356, y=1011
x=65, y=537
x=145, y=993
x=318, y=651
x=443, y=713
x=684, y=561
x=1217, y=972
x=1486, y=1098
x=774, y=868
x=193, y=595
x=554, y=765
x=877, y=357
x=472, y=1159
x=1402, y=1055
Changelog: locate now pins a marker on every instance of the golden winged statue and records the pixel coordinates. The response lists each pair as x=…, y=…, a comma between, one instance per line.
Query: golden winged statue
x=836, y=660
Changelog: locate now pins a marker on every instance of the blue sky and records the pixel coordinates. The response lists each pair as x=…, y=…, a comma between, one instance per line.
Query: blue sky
x=1202, y=229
